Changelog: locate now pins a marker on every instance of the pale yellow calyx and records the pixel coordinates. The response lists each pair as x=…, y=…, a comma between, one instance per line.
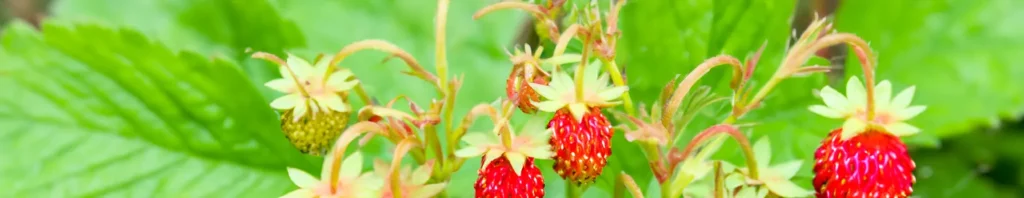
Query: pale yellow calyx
x=310, y=88
x=561, y=92
x=890, y=112
x=413, y=183
x=350, y=183
x=531, y=142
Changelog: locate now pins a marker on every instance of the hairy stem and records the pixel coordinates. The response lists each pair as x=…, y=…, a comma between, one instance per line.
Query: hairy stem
x=362, y=94
x=617, y=79
x=580, y=70
x=381, y=45
x=571, y=190
x=440, y=58
x=732, y=131
x=282, y=63
x=691, y=79
x=394, y=178
x=719, y=180
x=532, y=9
x=338, y=152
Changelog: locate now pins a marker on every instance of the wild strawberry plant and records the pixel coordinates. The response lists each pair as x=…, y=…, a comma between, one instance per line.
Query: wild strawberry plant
x=157, y=122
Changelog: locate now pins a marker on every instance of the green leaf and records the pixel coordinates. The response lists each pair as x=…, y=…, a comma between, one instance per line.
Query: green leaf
x=129, y=117
x=222, y=27
x=966, y=45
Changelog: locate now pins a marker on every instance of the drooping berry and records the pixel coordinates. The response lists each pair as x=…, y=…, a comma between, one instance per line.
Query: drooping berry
x=518, y=90
x=582, y=134
x=525, y=70
x=581, y=148
x=871, y=164
x=498, y=180
x=866, y=158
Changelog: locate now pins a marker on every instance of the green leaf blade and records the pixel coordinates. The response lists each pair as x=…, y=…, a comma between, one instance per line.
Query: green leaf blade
x=131, y=118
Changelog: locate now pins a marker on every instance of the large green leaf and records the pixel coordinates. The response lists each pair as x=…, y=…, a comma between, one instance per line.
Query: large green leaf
x=962, y=55
x=224, y=27
x=91, y=111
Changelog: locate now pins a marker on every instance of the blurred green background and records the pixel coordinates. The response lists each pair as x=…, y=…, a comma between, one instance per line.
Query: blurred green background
x=132, y=98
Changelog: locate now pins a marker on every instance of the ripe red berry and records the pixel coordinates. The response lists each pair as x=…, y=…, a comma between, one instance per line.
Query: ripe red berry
x=581, y=147
x=498, y=179
x=871, y=164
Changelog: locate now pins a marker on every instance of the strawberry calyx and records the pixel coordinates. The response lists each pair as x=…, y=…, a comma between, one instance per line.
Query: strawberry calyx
x=890, y=112
x=561, y=92
x=532, y=142
x=309, y=87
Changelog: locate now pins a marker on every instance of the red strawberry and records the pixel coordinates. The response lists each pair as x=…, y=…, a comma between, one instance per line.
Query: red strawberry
x=866, y=158
x=498, y=179
x=581, y=148
x=582, y=135
x=871, y=164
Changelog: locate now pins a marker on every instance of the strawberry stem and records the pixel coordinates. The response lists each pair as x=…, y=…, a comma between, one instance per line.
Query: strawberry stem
x=732, y=131
x=531, y=8
x=613, y=69
x=691, y=78
x=630, y=184
x=281, y=63
x=580, y=69
x=394, y=178
x=502, y=121
x=338, y=152
x=381, y=45
x=719, y=180
x=572, y=190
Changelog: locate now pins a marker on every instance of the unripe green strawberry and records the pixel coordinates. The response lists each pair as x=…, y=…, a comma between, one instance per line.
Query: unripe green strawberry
x=866, y=158
x=498, y=180
x=582, y=134
x=313, y=134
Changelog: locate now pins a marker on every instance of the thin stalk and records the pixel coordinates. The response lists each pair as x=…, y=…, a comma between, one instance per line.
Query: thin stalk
x=401, y=149
x=282, y=63
x=691, y=79
x=506, y=136
x=441, y=59
x=859, y=46
x=430, y=133
x=571, y=190
x=719, y=180
x=627, y=101
x=362, y=94
x=730, y=130
x=531, y=8
x=580, y=71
